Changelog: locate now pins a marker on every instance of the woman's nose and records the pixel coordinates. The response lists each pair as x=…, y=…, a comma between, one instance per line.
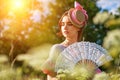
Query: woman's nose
x=65, y=26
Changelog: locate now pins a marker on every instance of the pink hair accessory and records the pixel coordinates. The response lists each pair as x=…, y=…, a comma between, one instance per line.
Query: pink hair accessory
x=74, y=18
x=78, y=15
x=79, y=7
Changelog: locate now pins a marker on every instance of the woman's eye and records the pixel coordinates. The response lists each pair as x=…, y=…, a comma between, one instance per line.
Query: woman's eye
x=62, y=24
x=70, y=24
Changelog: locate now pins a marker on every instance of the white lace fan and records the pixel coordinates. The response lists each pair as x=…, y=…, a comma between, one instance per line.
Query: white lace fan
x=80, y=51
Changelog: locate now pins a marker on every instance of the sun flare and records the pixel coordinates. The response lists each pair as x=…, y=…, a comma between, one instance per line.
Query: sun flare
x=17, y=4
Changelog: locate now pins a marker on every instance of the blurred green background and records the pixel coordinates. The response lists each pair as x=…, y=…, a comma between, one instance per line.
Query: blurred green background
x=28, y=29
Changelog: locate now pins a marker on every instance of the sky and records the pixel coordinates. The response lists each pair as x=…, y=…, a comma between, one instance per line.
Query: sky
x=110, y=5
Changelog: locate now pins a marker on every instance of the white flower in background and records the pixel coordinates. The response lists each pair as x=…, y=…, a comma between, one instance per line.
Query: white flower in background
x=6, y=27
x=104, y=15
x=102, y=76
x=36, y=16
x=112, y=42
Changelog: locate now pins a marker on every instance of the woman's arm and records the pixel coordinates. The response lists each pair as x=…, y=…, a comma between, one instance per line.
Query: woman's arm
x=49, y=64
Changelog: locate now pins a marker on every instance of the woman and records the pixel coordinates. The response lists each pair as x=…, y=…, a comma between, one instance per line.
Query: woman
x=71, y=27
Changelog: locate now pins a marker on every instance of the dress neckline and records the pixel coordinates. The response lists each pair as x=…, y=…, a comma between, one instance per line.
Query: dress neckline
x=63, y=45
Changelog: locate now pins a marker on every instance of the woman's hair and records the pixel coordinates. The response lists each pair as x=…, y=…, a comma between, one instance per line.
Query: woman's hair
x=59, y=27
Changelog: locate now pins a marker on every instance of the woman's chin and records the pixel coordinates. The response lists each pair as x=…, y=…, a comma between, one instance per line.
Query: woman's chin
x=66, y=36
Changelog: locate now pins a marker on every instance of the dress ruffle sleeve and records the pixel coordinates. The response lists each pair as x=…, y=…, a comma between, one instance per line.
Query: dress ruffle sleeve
x=49, y=65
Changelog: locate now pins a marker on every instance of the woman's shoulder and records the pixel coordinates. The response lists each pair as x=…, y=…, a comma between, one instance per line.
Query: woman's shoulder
x=58, y=46
x=56, y=49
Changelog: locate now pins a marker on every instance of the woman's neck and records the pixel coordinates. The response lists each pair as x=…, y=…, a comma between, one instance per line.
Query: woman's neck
x=69, y=41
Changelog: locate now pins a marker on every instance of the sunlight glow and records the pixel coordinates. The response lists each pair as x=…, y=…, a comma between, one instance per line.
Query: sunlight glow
x=17, y=4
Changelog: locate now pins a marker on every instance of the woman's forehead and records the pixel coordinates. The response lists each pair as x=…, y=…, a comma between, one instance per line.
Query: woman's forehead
x=65, y=19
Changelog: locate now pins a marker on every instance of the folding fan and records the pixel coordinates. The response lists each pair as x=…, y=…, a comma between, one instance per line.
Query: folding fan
x=84, y=53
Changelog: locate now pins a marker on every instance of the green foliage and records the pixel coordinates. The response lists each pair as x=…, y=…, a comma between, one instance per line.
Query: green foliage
x=35, y=56
x=83, y=75
x=115, y=76
x=102, y=76
x=7, y=73
x=3, y=59
x=79, y=73
x=107, y=76
x=106, y=22
x=113, y=23
x=25, y=66
x=112, y=42
x=12, y=48
x=105, y=16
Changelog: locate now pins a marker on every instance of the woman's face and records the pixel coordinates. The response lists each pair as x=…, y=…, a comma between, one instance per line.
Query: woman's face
x=67, y=28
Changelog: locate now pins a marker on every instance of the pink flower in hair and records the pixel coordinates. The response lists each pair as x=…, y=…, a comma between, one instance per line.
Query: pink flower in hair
x=79, y=7
x=78, y=15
